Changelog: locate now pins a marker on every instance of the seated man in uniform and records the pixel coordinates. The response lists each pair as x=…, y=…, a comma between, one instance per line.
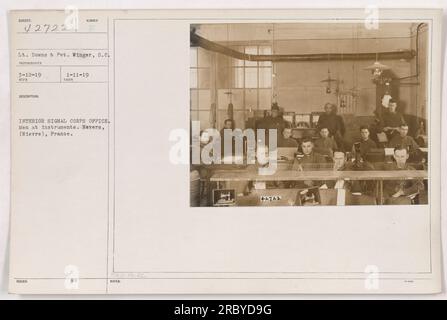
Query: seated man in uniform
x=366, y=144
x=357, y=192
x=391, y=120
x=325, y=145
x=309, y=161
x=286, y=140
x=403, y=139
x=339, y=165
x=401, y=191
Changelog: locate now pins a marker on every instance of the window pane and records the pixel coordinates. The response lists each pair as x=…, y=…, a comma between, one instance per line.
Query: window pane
x=237, y=98
x=239, y=119
x=237, y=62
x=193, y=57
x=204, y=100
x=251, y=77
x=223, y=98
x=204, y=58
x=222, y=115
x=193, y=78
x=194, y=99
x=265, y=50
x=223, y=61
x=205, y=120
x=223, y=77
x=251, y=99
x=265, y=77
x=204, y=78
x=265, y=98
x=194, y=115
x=238, y=76
x=251, y=50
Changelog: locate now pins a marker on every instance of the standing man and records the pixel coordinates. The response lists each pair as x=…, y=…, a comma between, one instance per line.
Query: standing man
x=274, y=121
x=333, y=122
x=399, y=191
x=366, y=144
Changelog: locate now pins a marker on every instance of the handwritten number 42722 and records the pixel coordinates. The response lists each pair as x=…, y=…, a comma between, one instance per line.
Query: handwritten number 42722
x=44, y=28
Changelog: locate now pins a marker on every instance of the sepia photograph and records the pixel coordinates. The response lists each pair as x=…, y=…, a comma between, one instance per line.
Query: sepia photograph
x=309, y=113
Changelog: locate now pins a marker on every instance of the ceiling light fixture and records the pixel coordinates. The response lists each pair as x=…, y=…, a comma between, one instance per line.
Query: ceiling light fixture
x=377, y=68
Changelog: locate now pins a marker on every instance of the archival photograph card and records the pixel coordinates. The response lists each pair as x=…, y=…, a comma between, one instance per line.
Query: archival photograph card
x=225, y=151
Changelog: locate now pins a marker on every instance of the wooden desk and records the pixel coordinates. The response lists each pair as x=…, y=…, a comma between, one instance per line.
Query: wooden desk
x=251, y=174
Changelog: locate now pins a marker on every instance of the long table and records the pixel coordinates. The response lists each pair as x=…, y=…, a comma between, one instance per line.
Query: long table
x=294, y=175
x=252, y=174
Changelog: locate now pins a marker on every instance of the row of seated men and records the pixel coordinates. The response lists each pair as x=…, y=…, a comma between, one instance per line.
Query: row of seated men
x=326, y=144
x=386, y=129
x=312, y=157
x=360, y=192
x=390, y=126
x=395, y=192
